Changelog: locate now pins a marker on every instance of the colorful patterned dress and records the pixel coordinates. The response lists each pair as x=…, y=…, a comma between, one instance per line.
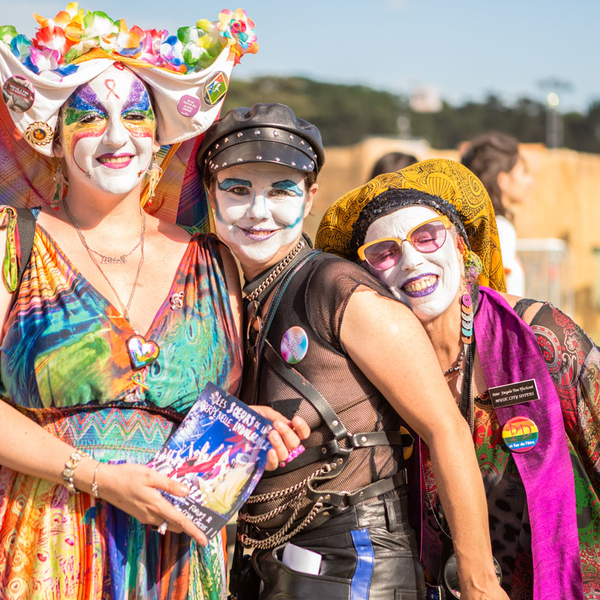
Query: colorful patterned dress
x=65, y=365
x=573, y=362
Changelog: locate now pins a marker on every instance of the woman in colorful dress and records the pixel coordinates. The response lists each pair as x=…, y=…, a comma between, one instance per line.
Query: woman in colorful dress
x=525, y=376
x=117, y=320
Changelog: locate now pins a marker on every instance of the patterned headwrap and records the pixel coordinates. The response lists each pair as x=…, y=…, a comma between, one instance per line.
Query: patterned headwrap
x=445, y=179
x=188, y=74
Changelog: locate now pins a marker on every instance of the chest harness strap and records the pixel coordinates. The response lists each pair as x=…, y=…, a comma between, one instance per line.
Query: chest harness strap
x=325, y=503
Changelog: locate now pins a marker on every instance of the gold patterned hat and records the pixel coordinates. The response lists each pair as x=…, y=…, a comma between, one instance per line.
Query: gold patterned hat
x=446, y=179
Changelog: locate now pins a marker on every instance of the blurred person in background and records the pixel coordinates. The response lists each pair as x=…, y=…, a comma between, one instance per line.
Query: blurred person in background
x=494, y=157
x=392, y=161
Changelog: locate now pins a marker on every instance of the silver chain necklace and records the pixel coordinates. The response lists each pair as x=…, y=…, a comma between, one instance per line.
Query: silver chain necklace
x=124, y=308
x=106, y=259
x=281, y=265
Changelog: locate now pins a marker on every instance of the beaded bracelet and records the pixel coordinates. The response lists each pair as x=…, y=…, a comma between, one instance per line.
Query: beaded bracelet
x=69, y=470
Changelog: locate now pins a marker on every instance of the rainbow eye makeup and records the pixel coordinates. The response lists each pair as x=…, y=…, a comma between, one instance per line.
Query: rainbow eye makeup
x=86, y=116
x=137, y=113
x=83, y=116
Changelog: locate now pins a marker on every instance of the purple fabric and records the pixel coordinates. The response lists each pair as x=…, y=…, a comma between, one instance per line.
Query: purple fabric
x=509, y=353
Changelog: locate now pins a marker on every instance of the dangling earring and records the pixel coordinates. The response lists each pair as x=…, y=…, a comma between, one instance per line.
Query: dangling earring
x=60, y=182
x=466, y=315
x=155, y=174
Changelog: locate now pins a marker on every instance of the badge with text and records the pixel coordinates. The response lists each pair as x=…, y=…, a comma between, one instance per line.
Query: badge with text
x=520, y=434
x=215, y=88
x=514, y=393
x=294, y=345
x=188, y=105
x=18, y=93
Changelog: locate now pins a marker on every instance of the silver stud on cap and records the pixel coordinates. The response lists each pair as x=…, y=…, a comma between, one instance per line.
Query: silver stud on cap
x=210, y=152
x=240, y=159
x=277, y=159
x=216, y=146
x=302, y=143
x=240, y=134
x=293, y=164
x=224, y=164
x=257, y=132
x=225, y=140
x=275, y=133
x=259, y=158
x=304, y=167
x=291, y=137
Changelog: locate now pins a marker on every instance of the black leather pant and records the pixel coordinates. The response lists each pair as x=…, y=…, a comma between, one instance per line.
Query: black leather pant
x=384, y=565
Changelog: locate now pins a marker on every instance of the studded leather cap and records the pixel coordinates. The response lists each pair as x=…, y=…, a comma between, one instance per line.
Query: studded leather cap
x=268, y=133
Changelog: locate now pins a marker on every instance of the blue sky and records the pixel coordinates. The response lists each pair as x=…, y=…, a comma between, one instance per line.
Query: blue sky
x=463, y=48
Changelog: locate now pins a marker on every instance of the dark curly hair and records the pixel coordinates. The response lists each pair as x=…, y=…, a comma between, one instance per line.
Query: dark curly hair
x=395, y=198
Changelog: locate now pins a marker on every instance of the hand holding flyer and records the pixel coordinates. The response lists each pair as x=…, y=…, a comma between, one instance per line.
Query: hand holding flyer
x=219, y=452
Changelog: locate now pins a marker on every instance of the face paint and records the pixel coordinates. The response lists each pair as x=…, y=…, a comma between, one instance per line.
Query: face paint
x=426, y=283
x=259, y=212
x=108, y=129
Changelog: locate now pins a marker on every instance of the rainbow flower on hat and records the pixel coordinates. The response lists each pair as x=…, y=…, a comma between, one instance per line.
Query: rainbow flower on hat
x=73, y=32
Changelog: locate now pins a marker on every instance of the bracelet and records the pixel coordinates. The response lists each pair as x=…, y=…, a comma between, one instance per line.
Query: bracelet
x=69, y=470
x=94, y=482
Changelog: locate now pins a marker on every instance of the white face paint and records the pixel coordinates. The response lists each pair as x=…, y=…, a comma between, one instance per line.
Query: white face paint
x=260, y=209
x=426, y=283
x=108, y=132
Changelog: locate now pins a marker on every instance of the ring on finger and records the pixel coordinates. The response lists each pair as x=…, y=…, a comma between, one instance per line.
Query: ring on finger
x=162, y=528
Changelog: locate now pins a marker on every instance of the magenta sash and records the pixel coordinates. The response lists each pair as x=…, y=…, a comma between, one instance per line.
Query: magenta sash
x=509, y=353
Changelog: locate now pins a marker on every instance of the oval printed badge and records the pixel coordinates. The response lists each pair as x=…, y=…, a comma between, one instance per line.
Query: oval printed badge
x=294, y=345
x=520, y=434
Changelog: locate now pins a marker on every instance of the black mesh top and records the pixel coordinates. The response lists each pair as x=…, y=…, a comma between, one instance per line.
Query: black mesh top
x=315, y=301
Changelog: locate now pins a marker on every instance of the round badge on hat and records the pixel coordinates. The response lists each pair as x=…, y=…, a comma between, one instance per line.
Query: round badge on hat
x=18, y=93
x=520, y=434
x=188, y=105
x=294, y=345
x=39, y=133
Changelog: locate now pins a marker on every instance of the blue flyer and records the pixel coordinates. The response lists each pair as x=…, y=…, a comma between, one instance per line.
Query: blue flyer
x=219, y=451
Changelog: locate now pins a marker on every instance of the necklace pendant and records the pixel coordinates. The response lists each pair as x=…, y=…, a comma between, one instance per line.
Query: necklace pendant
x=142, y=352
x=113, y=260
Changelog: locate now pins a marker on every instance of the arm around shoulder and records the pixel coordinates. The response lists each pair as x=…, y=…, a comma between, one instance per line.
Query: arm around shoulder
x=391, y=348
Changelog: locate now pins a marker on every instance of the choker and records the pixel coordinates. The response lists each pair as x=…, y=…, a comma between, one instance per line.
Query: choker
x=255, y=290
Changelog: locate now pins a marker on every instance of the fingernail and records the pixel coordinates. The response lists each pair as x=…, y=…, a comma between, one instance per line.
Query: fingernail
x=185, y=489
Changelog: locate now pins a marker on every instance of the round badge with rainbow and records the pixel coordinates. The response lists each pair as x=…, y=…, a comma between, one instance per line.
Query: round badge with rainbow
x=294, y=345
x=520, y=434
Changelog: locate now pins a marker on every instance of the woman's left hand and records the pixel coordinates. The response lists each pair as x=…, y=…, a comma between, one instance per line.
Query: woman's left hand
x=285, y=436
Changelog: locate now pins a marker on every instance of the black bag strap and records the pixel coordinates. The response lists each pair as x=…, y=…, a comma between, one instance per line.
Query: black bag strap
x=26, y=228
x=268, y=320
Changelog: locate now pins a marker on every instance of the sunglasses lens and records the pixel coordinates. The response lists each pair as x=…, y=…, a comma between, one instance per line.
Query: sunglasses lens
x=429, y=237
x=383, y=255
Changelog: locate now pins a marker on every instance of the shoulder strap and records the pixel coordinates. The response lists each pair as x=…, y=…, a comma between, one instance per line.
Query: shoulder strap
x=268, y=320
x=522, y=305
x=26, y=227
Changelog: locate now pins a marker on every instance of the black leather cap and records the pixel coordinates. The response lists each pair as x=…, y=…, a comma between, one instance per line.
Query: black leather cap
x=264, y=133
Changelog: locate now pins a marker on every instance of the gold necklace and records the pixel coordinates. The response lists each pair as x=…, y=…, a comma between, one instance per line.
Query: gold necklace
x=124, y=307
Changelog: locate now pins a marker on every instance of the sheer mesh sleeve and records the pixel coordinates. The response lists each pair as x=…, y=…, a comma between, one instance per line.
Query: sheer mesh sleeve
x=327, y=294
x=573, y=361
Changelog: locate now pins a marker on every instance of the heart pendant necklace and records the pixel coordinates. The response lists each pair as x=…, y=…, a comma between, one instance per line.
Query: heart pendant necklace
x=142, y=352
